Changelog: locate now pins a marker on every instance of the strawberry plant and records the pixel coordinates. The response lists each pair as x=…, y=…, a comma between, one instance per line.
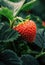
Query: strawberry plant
x=22, y=32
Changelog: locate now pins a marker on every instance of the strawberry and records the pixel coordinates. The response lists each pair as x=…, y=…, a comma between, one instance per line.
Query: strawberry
x=27, y=30
x=43, y=23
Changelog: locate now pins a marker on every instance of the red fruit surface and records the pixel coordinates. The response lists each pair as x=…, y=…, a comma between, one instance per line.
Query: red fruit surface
x=27, y=30
x=43, y=23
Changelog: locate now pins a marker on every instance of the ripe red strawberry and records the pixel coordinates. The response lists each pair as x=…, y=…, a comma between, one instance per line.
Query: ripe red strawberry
x=27, y=30
x=43, y=23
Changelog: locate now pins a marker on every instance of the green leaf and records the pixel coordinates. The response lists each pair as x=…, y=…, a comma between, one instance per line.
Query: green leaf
x=29, y=5
x=10, y=58
x=29, y=60
x=15, y=0
x=36, y=7
x=28, y=1
x=39, y=9
x=7, y=13
x=21, y=14
x=1, y=47
x=15, y=7
x=40, y=38
x=22, y=47
x=7, y=34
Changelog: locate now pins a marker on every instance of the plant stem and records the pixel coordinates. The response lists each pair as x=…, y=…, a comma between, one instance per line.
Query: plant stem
x=14, y=20
x=34, y=52
x=40, y=54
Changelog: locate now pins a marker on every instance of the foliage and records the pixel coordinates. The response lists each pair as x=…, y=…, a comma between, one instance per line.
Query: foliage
x=29, y=60
x=7, y=34
x=8, y=57
x=14, y=50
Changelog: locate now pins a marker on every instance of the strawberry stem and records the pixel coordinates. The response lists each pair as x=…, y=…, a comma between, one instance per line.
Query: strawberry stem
x=14, y=21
